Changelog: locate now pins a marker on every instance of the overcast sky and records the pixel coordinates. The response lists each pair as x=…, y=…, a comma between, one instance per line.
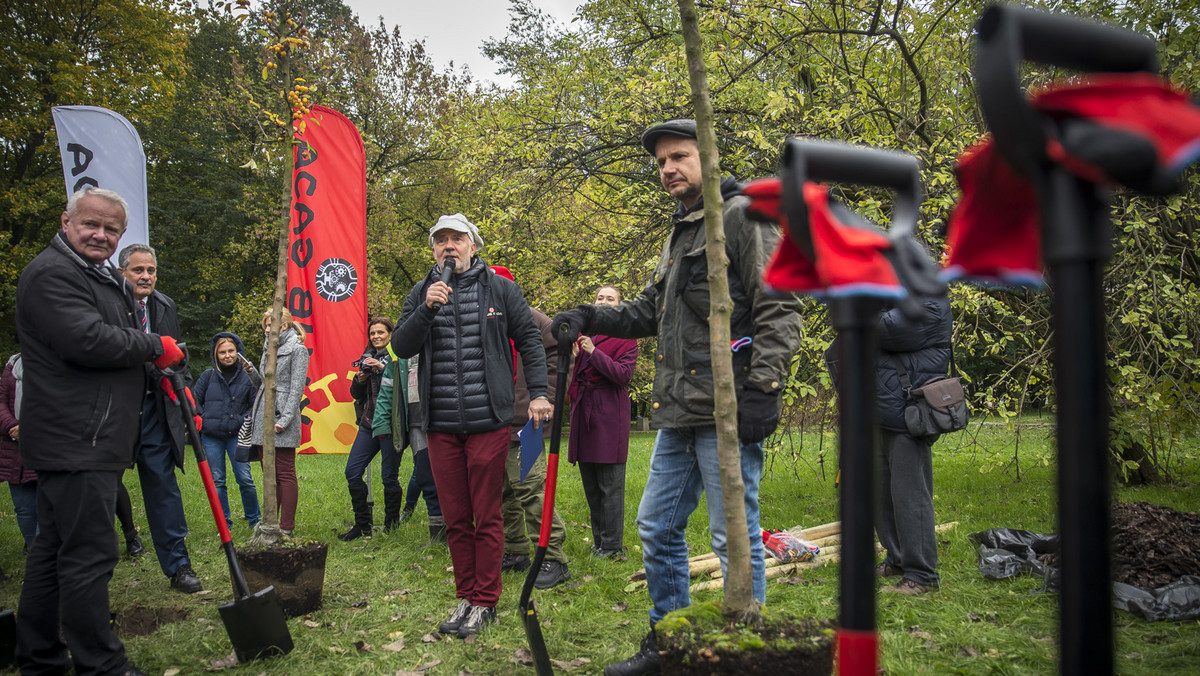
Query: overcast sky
x=454, y=30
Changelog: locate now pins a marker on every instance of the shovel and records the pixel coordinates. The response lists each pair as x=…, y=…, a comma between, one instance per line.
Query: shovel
x=1076, y=235
x=255, y=622
x=533, y=630
x=856, y=316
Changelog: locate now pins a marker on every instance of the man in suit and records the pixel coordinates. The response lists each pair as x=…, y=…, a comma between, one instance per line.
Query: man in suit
x=162, y=446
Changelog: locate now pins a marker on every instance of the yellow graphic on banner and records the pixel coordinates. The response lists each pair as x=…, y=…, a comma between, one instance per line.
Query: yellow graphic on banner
x=331, y=423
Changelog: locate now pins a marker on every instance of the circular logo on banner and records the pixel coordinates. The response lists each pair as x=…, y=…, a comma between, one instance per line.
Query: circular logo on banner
x=336, y=279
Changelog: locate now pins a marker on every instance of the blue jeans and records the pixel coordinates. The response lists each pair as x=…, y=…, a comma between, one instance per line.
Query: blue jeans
x=216, y=449
x=363, y=451
x=683, y=466
x=24, y=497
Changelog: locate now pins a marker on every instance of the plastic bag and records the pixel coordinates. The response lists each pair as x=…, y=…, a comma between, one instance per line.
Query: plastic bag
x=787, y=547
x=1005, y=552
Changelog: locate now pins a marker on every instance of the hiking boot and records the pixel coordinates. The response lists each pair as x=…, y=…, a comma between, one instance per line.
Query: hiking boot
x=477, y=619
x=437, y=535
x=393, y=500
x=552, y=574
x=515, y=563
x=134, y=546
x=886, y=569
x=457, y=616
x=407, y=513
x=643, y=663
x=185, y=580
x=909, y=587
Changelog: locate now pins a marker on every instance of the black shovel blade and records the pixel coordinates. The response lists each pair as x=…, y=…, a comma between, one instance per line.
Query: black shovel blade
x=256, y=626
x=537, y=644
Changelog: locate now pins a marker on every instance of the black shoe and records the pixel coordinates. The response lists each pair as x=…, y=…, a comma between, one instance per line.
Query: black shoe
x=354, y=533
x=602, y=553
x=457, y=616
x=476, y=620
x=437, y=535
x=133, y=546
x=515, y=563
x=407, y=513
x=185, y=580
x=553, y=573
x=645, y=662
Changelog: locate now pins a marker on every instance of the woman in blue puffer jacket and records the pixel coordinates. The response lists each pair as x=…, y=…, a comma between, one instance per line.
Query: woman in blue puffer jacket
x=224, y=395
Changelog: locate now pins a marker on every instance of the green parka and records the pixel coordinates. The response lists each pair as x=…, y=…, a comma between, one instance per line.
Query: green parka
x=391, y=411
x=674, y=305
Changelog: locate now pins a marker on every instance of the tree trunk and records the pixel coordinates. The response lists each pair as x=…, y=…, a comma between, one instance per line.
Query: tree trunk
x=739, y=584
x=269, y=534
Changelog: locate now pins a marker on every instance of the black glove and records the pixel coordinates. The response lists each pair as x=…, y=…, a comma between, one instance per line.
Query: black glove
x=568, y=325
x=758, y=414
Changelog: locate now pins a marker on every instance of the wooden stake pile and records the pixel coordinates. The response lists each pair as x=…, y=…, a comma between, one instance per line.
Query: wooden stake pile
x=826, y=536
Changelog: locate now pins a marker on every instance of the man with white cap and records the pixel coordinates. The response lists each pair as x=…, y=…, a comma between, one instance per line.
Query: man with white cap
x=460, y=319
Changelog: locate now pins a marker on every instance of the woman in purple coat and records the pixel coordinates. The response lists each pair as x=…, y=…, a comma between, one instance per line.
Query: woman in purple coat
x=22, y=482
x=599, y=439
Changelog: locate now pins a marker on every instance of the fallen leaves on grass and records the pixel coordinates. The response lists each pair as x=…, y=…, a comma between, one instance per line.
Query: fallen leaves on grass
x=968, y=651
x=573, y=664
x=620, y=607
x=395, y=646
x=429, y=638
x=362, y=646
x=311, y=625
x=522, y=656
x=229, y=660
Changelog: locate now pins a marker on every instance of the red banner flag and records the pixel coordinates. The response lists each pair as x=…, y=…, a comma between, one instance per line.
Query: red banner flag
x=327, y=271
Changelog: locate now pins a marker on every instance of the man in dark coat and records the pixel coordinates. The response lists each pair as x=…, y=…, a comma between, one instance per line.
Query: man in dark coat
x=674, y=306
x=83, y=354
x=905, y=522
x=162, y=446
x=462, y=328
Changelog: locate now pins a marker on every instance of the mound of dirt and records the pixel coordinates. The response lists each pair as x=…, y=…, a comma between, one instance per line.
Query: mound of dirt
x=1153, y=545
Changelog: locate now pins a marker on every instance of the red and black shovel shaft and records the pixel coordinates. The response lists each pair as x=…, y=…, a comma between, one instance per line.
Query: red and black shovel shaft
x=533, y=630
x=240, y=589
x=855, y=319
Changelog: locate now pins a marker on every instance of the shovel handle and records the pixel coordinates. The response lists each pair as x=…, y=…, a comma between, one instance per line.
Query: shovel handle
x=240, y=588
x=1008, y=35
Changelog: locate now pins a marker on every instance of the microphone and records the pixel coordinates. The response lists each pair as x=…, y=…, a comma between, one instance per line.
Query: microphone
x=448, y=266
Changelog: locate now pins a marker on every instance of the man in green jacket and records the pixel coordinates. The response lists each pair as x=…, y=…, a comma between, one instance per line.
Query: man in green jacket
x=674, y=306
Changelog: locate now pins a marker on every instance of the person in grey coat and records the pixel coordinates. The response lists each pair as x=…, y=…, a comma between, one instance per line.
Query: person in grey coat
x=291, y=373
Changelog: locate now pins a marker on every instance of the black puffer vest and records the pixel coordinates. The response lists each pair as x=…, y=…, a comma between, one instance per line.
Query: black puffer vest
x=458, y=392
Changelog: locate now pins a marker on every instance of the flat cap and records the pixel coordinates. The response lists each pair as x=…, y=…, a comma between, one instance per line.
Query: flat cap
x=685, y=128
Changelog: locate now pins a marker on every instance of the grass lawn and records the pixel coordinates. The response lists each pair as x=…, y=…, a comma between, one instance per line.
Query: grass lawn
x=389, y=587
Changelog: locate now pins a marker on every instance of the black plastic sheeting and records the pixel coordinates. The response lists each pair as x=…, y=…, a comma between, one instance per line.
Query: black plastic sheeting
x=1006, y=552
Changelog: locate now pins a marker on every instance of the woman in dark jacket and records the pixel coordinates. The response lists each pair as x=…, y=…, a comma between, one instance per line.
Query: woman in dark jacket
x=22, y=482
x=365, y=387
x=224, y=395
x=599, y=439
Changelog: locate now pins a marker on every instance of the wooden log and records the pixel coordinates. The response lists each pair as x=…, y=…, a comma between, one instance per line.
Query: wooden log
x=814, y=534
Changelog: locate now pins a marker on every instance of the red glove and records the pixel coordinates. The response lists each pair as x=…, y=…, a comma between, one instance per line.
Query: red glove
x=199, y=422
x=171, y=355
x=165, y=384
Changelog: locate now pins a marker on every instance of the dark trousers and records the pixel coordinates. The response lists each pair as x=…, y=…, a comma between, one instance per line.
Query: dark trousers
x=522, y=508
x=905, y=522
x=469, y=469
x=363, y=451
x=160, y=490
x=66, y=578
x=422, y=483
x=604, y=487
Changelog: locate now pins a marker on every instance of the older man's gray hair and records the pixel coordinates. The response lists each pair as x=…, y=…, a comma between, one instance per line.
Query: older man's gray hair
x=103, y=193
x=136, y=247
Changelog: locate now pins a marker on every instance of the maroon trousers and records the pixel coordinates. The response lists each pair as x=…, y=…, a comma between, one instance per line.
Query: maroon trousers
x=469, y=472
